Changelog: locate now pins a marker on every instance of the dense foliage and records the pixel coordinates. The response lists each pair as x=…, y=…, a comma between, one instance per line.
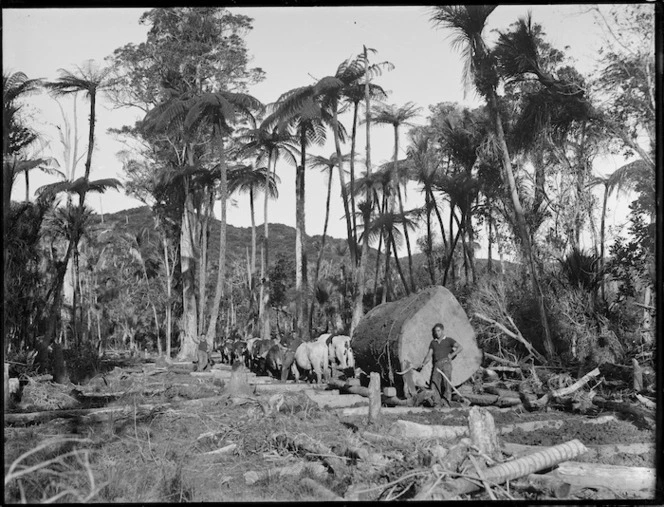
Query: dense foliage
x=519, y=171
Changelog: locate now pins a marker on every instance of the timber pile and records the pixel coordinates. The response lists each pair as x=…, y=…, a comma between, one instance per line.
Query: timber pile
x=394, y=335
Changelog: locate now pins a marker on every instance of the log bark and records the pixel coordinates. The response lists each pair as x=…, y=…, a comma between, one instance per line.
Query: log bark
x=614, y=477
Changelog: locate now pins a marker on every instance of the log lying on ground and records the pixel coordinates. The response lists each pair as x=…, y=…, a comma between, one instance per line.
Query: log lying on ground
x=393, y=333
x=408, y=429
x=518, y=468
x=642, y=416
x=103, y=414
x=616, y=478
x=253, y=476
x=594, y=451
x=358, y=411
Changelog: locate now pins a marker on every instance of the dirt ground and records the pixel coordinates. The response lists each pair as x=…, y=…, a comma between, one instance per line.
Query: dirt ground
x=167, y=454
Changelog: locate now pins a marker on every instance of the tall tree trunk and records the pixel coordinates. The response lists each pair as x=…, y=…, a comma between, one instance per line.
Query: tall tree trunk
x=430, y=264
x=203, y=241
x=490, y=224
x=360, y=278
x=301, y=281
x=397, y=188
x=352, y=173
x=27, y=186
x=432, y=197
x=188, y=268
x=602, y=239
x=398, y=265
x=522, y=225
x=252, y=268
x=322, y=246
x=169, y=303
x=221, y=270
x=386, y=274
x=452, y=248
x=265, y=291
x=352, y=247
x=380, y=244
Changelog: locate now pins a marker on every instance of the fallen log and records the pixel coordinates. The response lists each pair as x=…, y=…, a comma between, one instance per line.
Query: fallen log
x=518, y=468
x=408, y=429
x=254, y=476
x=614, y=477
x=358, y=411
x=641, y=416
x=103, y=414
x=325, y=400
x=594, y=451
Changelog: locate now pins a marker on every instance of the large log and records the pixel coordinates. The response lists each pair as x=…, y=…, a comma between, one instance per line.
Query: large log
x=614, y=477
x=394, y=335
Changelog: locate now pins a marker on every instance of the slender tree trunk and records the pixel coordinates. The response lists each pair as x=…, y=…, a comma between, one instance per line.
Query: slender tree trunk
x=432, y=273
x=397, y=188
x=453, y=247
x=169, y=303
x=352, y=247
x=602, y=239
x=322, y=246
x=203, y=240
x=522, y=225
x=265, y=292
x=301, y=281
x=432, y=197
x=380, y=244
x=253, y=236
x=221, y=270
x=352, y=173
x=27, y=186
x=360, y=278
x=490, y=224
x=398, y=265
x=386, y=275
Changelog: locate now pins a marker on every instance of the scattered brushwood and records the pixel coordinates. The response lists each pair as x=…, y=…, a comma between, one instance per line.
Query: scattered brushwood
x=56, y=470
x=643, y=417
x=38, y=396
x=310, y=447
x=297, y=469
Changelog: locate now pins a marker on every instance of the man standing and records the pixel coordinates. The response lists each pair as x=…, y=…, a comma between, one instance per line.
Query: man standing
x=442, y=350
x=203, y=361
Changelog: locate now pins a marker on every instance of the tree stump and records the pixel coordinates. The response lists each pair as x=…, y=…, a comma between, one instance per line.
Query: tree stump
x=374, y=397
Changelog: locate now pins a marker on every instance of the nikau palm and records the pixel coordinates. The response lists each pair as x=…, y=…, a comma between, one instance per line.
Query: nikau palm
x=468, y=22
x=220, y=110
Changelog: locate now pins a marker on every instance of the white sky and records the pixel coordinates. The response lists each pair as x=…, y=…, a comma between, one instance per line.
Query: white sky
x=291, y=44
